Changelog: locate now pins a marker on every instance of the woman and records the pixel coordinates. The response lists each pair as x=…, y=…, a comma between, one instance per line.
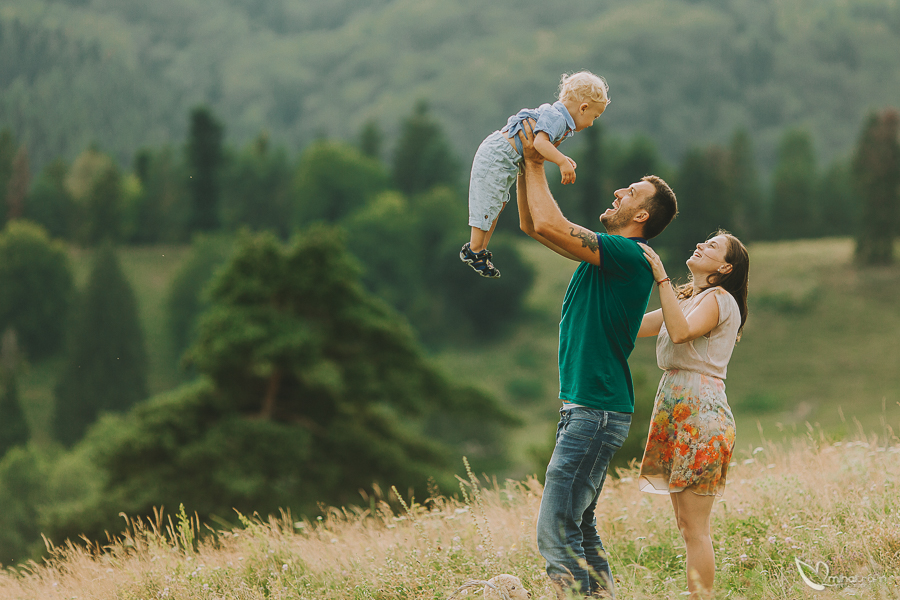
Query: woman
x=692, y=429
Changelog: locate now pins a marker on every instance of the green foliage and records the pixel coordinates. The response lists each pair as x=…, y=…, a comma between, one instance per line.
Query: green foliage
x=310, y=389
x=159, y=211
x=687, y=78
x=876, y=173
x=333, y=180
x=256, y=191
x=371, y=139
x=49, y=203
x=106, y=362
x=410, y=249
x=35, y=288
x=23, y=473
x=13, y=428
x=7, y=155
x=204, y=161
x=185, y=299
x=743, y=190
x=706, y=206
x=103, y=208
x=793, y=187
x=423, y=158
x=839, y=210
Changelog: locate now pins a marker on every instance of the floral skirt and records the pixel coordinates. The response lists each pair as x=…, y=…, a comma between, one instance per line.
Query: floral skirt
x=691, y=436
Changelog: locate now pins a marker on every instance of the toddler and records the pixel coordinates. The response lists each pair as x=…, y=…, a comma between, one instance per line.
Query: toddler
x=583, y=97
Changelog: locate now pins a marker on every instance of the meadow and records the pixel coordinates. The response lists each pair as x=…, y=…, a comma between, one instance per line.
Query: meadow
x=830, y=505
x=819, y=348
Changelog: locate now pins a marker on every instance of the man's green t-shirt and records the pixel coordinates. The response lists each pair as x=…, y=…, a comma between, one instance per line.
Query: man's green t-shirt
x=601, y=316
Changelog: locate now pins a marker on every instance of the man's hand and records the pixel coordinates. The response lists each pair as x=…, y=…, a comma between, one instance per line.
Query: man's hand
x=526, y=136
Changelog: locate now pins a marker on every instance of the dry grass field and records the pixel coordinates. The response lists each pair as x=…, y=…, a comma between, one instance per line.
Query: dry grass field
x=832, y=505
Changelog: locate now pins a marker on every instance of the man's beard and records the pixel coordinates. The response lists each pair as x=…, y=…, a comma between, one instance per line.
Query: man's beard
x=616, y=221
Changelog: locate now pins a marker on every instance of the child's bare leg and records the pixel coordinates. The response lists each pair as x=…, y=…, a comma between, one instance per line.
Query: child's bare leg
x=479, y=239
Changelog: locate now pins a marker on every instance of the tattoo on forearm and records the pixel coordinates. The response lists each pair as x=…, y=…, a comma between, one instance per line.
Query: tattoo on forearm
x=588, y=238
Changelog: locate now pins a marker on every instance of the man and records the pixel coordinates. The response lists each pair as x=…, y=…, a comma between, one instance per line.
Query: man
x=601, y=316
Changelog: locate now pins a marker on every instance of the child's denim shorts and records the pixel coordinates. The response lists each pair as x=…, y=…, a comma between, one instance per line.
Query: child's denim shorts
x=494, y=170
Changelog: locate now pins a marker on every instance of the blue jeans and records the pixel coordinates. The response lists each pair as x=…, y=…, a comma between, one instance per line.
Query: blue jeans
x=586, y=440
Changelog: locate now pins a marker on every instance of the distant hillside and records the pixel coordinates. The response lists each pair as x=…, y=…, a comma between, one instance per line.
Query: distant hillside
x=125, y=73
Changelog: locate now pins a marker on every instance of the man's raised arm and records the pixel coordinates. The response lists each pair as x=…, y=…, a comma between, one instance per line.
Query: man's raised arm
x=549, y=225
x=527, y=225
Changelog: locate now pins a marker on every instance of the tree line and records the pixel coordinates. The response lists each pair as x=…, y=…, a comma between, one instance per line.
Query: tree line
x=300, y=310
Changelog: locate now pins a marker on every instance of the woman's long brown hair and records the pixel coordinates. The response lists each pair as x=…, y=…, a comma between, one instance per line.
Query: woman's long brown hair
x=734, y=282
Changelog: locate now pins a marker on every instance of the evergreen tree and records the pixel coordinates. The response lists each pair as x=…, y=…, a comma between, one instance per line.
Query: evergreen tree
x=7, y=156
x=839, y=208
x=310, y=389
x=17, y=188
x=638, y=159
x=743, y=189
x=162, y=207
x=106, y=363
x=13, y=428
x=371, y=140
x=35, y=288
x=257, y=191
x=103, y=207
x=876, y=174
x=592, y=176
x=49, y=203
x=702, y=181
x=333, y=180
x=204, y=160
x=185, y=299
x=423, y=158
x=793, y=187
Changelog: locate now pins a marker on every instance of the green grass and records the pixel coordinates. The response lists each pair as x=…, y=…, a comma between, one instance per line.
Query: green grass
x=819, y=347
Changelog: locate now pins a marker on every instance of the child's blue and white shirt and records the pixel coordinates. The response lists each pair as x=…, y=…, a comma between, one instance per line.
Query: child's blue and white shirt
x=551, y=118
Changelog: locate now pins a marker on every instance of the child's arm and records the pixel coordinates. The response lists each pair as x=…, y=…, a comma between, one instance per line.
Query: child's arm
x=566, y=165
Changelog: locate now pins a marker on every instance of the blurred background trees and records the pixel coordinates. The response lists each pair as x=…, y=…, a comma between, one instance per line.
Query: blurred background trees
x=284, y=210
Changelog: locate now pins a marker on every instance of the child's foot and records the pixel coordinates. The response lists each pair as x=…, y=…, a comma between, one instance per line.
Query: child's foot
x=480, y=261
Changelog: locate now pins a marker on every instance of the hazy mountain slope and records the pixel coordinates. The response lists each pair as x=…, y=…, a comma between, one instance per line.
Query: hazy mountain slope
x=683, y=72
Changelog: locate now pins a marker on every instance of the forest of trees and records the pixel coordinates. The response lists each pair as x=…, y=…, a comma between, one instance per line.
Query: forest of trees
x=324, y=214
x=124, y=73
x=300, y=311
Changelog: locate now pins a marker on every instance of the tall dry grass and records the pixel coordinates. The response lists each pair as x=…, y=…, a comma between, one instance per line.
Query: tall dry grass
x=833, y=505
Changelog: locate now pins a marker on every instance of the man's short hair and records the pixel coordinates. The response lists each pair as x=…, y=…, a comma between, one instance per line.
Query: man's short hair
x=662, y=207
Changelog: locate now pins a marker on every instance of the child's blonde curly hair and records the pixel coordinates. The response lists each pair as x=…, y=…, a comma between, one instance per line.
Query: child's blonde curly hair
x=583, y=86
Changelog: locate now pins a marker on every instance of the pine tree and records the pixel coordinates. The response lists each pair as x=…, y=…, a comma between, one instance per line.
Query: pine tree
x=35, y=288
x=333, y=180
x=310, y=389
x=876, y=173
x=743, y=189
x=49, y=203
x=17, y=188
x=592, y=170
x=638, y=160
x=7, y=156
x=423, y=157
x=839, y=209
x=104, y=209
x=204, y=159
x=106, y=364
x=702, y=180
x=793, y=187
x=371, y=139
x=13, y=428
